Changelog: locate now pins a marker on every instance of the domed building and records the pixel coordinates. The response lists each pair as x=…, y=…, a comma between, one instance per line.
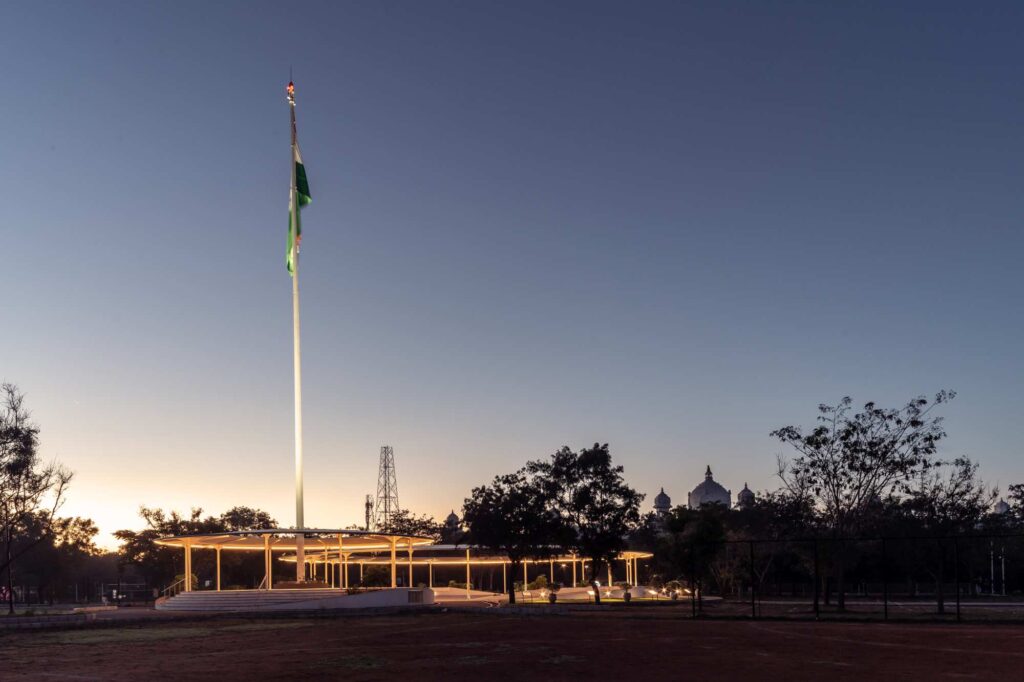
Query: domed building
x=709, y=492
x=451, y=531
x=662, y=503
x=1001, y=507
x=745, y=498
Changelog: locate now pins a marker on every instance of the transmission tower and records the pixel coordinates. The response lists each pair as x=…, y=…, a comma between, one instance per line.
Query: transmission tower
x=369, y=513
x=387, y=489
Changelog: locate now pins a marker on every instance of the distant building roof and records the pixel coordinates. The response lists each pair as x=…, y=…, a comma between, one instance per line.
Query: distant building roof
x=662, y=502
x=709, y=492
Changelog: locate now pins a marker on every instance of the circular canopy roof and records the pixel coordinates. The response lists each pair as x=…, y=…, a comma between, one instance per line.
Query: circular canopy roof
x=456, y=555
x=284, y=540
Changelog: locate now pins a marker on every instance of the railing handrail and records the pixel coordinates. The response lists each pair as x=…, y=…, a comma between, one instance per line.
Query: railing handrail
x=173, y=588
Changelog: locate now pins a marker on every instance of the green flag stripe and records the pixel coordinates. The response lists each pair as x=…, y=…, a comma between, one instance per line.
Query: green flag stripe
x=302, y=184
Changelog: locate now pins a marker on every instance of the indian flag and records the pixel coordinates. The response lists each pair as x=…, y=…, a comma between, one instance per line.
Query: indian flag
x=303, y=197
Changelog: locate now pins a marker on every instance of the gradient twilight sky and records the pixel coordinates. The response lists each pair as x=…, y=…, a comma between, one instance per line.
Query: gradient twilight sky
x=670, y=227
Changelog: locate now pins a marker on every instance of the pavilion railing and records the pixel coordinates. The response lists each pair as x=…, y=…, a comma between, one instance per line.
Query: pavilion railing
x=174, y=588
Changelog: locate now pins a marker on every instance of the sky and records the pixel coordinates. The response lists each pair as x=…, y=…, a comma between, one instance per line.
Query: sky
x=671, y=227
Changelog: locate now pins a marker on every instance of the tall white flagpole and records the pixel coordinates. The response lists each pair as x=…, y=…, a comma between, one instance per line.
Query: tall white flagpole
x=300, y=550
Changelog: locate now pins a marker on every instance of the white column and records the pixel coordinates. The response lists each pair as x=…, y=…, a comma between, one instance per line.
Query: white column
x=467, y=573
x=188, y=565
x=218, y=568
x=394, y=574
x=410, y=562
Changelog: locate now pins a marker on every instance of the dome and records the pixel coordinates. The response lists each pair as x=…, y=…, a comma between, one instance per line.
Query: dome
x=662, y=502
x=745, y=497
x=1001, y=506
x=709, y=492
x=452, y=519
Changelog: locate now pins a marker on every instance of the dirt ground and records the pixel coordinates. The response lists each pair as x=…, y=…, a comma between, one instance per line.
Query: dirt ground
x=506, y=646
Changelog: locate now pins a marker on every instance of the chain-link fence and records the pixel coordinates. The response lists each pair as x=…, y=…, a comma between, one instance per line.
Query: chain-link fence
x=929, y=578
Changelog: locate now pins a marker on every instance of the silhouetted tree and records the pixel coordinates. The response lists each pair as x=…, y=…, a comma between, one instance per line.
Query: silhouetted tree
x=159, y=565
x=594, y=506
x=948, y=499
x=404, y=522
x=851, y=461
x=246, y=518
x=511, y=516
x=30, y=492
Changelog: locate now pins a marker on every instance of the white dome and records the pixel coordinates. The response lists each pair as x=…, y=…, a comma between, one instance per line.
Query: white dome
x=709, y=492
x=662, y=502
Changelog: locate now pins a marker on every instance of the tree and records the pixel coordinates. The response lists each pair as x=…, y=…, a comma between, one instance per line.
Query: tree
x=52, y=564
x=246, y=518
x=511, y=516
x=404, y=522
x=1015, y=494
x=690, y=542
x=852, y=461
x=30, y=492
x=943, y=505
x=159, y=565
x=594, y=506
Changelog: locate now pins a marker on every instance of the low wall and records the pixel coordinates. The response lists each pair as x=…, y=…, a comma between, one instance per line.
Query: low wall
x=399, y=596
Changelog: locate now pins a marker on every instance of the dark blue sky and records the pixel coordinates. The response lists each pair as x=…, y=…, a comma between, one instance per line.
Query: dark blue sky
x=671, y=227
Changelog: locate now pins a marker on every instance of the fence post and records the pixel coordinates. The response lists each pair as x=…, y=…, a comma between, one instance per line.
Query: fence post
x=817, y=580
x=885, y=583
x=956, y=574
x=753, y=604
x=693, y=583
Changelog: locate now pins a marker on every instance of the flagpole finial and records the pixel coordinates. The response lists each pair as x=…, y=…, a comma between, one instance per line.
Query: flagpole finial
x=291, y=93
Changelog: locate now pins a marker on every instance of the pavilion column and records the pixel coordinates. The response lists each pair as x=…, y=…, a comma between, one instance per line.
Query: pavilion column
x=551, y=571
x=394, y=574
x=343, y=574
x=410, y=562
x=188, y=565
x=430, y=574
x=574, y=570
x=609, y=574
x=268, y=562
x=467, y=573
x=218, y=568
x=504, y=578
x=629, y=569
x=360, y=571
x=525, y=579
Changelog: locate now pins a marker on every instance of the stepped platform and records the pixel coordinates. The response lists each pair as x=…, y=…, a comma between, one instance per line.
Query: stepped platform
x=241, y=601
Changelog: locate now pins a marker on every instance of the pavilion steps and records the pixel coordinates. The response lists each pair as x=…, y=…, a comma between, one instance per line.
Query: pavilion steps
x=244, y=600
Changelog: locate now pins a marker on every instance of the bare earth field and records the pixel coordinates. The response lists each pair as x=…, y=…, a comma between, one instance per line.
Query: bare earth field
x=439, y=645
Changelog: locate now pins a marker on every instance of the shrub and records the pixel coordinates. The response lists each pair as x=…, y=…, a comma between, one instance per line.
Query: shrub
x=376, y=576
x=539, y=583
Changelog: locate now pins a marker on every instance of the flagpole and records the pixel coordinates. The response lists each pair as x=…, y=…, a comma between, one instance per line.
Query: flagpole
x=300, y=558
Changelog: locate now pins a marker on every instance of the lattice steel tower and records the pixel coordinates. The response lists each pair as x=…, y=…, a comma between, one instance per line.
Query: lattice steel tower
x=387, y=489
